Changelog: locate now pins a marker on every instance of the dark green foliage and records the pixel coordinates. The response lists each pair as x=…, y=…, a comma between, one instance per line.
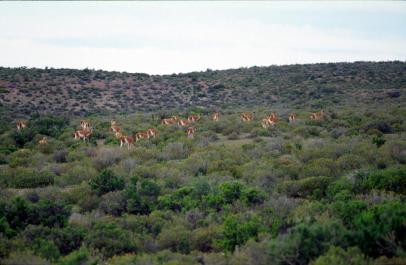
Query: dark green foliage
x=67, y=239
x=380, y=230
x=339, y=256
x=46, y=249
x=378, y=141
x=51, y=213
x=81, y=256
x=109, y=239
x=237, y=231
x=314, y=187
x=142, y=199
x=25, y=178
x=106, y=181
x=391, y=179
x=49, y=125
x=19, y=213
x=305, y=242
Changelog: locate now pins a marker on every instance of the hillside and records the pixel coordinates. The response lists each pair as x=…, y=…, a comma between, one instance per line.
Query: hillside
x=319, y=191
x=25, y=91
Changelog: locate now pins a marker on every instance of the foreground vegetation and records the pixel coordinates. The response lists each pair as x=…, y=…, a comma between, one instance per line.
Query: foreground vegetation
x=318, y=192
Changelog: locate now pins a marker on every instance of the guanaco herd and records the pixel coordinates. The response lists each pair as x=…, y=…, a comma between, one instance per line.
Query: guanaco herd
x=85, y=130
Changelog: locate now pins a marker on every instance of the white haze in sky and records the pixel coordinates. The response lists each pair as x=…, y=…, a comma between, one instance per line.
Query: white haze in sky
x=173, y=37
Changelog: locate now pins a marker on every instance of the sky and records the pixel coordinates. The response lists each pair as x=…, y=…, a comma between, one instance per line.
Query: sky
x=178, y=37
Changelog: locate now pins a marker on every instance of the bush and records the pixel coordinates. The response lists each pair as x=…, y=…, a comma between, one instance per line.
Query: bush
x=109, y=239
x=106, y=181
x=236, y=232
x=306, y=242
x=312, y=187
x=391, y=179
x=60, y=156
x=175, y=238
x=28, y=178
x=81, y=256
x=22, y=157
x=46, y=249
x=24, y=258
x=113, y=203
x=320, y=167
x=107, y=157
x=339, y=256
x=380, y=230
x=173, y=151
x=75, y=174
x=50, y=213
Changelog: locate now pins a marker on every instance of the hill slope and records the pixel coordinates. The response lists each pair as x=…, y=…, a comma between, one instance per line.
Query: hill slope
x=25, y=91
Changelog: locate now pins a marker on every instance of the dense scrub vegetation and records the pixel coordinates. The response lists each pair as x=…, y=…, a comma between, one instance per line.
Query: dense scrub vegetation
x=62, y=91
x=313, y=192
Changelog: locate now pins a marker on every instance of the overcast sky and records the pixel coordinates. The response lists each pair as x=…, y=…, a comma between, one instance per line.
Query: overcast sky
x=173, y=37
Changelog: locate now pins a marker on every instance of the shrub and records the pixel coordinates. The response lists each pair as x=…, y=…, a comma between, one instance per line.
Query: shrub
x=109, y=239
x=252, y=196
x=106, y=181
x=107, y=157
x=313, y=187
x=75, y=174
x=320, y=167
x=59, y=156
x=113, y=203
x=236, y=232
x=22, y=157
x=349, y=162
x=339, y=256
x=142, y=199
x=175, y=238
x=81, y=256
x=306, y=242
x=252, y=253
x=49, y=125
x=46, y=249
x=396, y=150
x=24, y=258
x=391, y=179
x=173, y=151
x=28, y=178
x=380, y=230
x=50, y=213
x=204, y=238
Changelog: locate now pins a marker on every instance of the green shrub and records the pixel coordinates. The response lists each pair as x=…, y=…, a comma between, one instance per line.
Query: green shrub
x=66, y=239
x=391, y=179
x=175, y=238
x=81, y=256
x=28, y=178
x=236, y=232
x=46, y=249
x=312, y=187
x=374, y=225
x=305, y=242
x=339, y=256
x=113, y=203
x=320, y=167
x=22, y=158
x=109, y=239
x=106, y=181
x=75, y=174
x=24, y=258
